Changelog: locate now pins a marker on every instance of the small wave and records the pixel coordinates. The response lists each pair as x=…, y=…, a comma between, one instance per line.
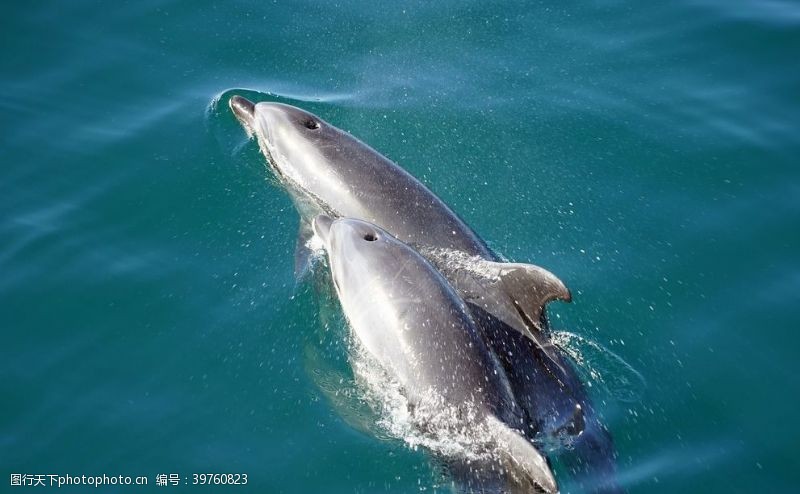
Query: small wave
x=280, y=93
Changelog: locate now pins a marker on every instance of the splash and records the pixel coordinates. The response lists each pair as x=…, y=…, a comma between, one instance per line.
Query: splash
x=601, y=367
x=431, y=422
x=316, y=246
x=598, y=366
x=456, y=260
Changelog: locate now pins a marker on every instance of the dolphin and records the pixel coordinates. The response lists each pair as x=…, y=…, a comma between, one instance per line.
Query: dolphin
x=406, y=315
x=328, y=171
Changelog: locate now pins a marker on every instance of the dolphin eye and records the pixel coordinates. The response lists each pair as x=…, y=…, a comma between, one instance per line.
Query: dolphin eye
x=311, y=124
x=370, y=237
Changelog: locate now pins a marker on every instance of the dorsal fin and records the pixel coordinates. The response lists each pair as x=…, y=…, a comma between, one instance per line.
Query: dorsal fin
x=531, y=287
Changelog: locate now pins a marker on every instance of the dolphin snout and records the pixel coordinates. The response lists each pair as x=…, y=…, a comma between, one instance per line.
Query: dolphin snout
x=243, y=108
x=322, y=227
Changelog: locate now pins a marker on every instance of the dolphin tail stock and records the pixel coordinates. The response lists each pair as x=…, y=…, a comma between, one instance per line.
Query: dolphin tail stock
x=528, y=470
x=531, y=287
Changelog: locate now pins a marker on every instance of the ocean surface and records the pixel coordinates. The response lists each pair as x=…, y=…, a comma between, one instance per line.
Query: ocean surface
x=151, y=323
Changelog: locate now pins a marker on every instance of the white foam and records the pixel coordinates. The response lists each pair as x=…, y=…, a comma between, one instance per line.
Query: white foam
x=316, y=245
x=449, y=430
x=452, y=260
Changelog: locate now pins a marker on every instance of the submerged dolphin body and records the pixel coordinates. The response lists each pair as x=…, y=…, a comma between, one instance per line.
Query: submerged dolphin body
x=326, y=170
x=409, y=318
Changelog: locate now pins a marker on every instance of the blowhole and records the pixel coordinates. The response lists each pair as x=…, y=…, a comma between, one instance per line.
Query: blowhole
x=370, y=237
x=311, y=124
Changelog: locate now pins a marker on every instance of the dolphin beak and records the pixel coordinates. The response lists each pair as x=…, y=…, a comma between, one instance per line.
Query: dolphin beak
x=243, y=108
x=322, y=227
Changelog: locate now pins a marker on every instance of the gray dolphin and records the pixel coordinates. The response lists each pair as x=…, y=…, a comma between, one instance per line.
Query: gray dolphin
x=409, y=318
x=326, y=170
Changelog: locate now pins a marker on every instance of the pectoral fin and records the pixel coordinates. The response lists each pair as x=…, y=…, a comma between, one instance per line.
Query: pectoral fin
x=302, y=252
x=531, y=287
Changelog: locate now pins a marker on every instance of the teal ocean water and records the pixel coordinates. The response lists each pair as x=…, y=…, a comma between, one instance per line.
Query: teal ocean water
x=151, y=324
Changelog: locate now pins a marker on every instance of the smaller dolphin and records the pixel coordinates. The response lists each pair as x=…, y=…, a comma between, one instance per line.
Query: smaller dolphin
x=406, y=315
